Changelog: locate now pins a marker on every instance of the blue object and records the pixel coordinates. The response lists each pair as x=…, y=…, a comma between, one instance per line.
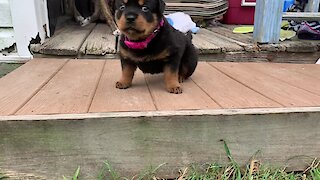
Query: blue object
x=170, y=21
x=287, y=5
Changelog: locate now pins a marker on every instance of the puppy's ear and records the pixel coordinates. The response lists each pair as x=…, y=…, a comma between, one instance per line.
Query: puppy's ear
x=162, y=6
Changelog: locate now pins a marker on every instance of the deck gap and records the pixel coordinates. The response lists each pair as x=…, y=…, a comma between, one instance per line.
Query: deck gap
x=96, y=88
x=152, y=96
x=206, y=93
x=37, y=90
x=246, y=85
x=288, y=83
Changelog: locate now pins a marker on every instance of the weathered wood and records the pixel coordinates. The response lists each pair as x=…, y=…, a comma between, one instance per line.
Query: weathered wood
x=133, y=144
x=203, y=46
x=227, y=92
x=312, y=6
x=70, y=91
x=101, y=41
x=68, y=41
x=20, y=85
x=277, y=90
x=227, y=45
x=304, y=16
x=110, y=99
x=267, y=21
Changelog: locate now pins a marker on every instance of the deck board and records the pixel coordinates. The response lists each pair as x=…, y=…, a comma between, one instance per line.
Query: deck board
x=67, y=41
x=225, y=44
x=108, y=98
x=226, y=91
x=307, y=69
x=101, y=41
x=70, y=91
x=49, y=86
x=191, y=98
x=273, y=88
x=20, y=85
x=299, y=80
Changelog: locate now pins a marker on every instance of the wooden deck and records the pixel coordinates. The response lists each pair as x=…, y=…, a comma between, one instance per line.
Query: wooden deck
x=62, y=86
x=219, y=43
x=58, y=114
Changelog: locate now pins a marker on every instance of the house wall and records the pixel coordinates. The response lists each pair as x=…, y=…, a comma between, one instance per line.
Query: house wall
x=29, y=19
x=6, y=28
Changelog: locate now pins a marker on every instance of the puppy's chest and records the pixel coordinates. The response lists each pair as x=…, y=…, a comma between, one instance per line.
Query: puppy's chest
x=146, y=56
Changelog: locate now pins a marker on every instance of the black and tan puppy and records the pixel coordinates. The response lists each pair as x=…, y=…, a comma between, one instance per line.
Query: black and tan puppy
x=153, y=45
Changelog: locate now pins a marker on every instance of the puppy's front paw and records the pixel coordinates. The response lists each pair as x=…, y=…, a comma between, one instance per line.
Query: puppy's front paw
x=175, y=90
x=121, y=85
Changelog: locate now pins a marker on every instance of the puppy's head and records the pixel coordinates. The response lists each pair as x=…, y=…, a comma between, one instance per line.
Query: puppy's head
x=137, y=19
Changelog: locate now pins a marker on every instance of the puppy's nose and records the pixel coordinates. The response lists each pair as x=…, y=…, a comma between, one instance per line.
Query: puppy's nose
x=131, y=18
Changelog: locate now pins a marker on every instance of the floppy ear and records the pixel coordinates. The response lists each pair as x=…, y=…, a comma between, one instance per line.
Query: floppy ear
x=162, y=6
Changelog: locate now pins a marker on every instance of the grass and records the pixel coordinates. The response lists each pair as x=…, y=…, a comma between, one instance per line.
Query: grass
x=231, y=171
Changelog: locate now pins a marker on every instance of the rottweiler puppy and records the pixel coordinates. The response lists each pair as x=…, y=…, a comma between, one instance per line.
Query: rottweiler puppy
x=150, y=43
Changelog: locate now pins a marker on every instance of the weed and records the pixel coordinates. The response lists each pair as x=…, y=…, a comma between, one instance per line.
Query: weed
x=75, y=176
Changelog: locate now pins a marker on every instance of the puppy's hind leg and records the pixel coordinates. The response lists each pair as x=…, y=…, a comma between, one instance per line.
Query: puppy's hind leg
x=189, y=62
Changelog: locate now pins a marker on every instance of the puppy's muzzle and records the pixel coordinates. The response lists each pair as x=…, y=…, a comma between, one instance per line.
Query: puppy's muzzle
x=131, y=18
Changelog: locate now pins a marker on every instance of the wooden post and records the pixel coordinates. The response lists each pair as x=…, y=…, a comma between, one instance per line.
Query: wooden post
x=312, y=6
x=267, y=21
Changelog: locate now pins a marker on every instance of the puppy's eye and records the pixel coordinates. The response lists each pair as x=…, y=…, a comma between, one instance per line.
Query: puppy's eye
x=145, y=9
x=122, y=7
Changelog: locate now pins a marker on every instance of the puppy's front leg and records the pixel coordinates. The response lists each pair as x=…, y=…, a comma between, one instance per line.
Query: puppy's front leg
x=171, y=78
x=128, y=70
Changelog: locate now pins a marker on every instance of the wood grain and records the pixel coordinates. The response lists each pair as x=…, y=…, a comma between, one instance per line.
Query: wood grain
x=132, y=145
x=101, y=41
x=226, y=91
x=225, y=44
x=204, y=46
x=307, y=69
x=299, y=80
x=267, y=21
x=191, y=98
x=70, y=91
x=109, y=98
x=67, y=41
x=20, y=85
x=270, y=87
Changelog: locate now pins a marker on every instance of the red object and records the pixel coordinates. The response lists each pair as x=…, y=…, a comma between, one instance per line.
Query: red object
x=238, y=14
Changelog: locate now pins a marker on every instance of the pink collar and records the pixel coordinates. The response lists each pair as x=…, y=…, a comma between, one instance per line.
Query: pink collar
x=143, y=44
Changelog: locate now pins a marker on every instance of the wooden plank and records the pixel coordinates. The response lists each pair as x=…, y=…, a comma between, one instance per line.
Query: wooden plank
x=303, y=16
x=277, y=90
x=227, y=92
x=226, y=44
x=191, y=98
x=132, y=145
x=267, y=21
x=109, y=98
x=20, y=85
x=203, y=46
x=312, y=6
x=70, y=91
x=307, y=69
x=244, y=38
x=299, y=80
x=101, y=41
x=67, y=41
